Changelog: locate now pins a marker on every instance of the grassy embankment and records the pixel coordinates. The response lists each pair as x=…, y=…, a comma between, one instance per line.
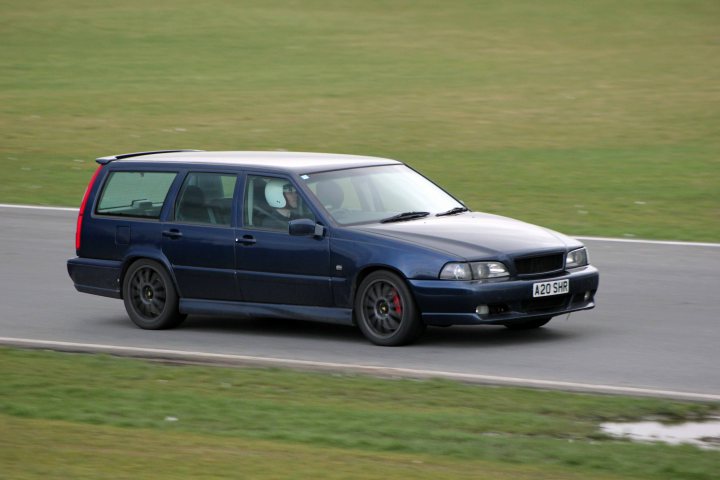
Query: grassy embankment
x=589, y=117
x=83, y=416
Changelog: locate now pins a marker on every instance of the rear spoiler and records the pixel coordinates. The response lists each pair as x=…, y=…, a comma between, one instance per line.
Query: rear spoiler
x=106, y=160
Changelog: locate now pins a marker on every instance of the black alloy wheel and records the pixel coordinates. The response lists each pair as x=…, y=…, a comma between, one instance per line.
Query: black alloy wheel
x=385, y=310
x=150, y=297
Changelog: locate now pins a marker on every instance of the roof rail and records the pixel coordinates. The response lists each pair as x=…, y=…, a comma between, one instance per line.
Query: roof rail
x=106, y=160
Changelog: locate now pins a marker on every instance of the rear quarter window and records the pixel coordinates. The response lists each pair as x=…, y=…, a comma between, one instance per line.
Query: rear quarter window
x=135, y=194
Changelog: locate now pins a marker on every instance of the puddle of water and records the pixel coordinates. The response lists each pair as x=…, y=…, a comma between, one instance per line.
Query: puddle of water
x=701, y=434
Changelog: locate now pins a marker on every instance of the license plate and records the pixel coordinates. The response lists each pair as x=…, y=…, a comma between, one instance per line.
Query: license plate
x=545, y=289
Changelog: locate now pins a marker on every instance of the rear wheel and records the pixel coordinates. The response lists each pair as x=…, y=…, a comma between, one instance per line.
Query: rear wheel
x=529, y=324
x=385, y=310
x=150, y=297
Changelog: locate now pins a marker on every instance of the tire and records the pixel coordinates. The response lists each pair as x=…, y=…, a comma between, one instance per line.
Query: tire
x=385, y=310
x=529, y=324
x=150, y=297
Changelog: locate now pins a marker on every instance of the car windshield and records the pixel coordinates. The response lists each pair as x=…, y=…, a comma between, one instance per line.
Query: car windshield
x=388, y=193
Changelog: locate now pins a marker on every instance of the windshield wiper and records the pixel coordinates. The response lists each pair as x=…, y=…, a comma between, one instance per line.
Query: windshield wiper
x=404, y=216
x=453, y=211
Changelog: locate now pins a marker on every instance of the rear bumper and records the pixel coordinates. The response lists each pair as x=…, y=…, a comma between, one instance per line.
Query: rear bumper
x=98, y=277
x=444, y=302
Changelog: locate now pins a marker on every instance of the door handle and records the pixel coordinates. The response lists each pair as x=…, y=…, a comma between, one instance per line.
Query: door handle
x=246, y=240
x=174, y=234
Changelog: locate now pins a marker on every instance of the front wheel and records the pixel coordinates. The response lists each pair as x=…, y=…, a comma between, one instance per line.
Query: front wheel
x=150, y=297
x=385, y=310
x=529, y=324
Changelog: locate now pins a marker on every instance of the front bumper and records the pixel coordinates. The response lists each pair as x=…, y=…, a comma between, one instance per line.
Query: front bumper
x=447, y=302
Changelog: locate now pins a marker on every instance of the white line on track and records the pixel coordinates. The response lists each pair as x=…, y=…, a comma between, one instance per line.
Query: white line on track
x=594, y=239
x=648, y=242
x=218, y=358
x=39, y=207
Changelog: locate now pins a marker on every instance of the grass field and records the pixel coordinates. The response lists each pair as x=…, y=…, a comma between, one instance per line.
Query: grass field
x=597, y=117
x=84, y=416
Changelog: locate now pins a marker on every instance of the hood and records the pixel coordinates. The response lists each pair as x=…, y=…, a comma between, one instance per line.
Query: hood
x=475, y=235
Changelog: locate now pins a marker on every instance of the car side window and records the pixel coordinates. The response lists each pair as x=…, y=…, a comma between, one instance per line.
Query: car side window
x=271, y=202
x=135, y=194
x=206, y=198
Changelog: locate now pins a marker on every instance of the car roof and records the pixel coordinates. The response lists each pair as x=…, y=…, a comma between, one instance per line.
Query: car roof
x=298, y=162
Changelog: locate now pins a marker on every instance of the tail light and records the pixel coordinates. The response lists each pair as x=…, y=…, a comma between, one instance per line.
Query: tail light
x=81, y=213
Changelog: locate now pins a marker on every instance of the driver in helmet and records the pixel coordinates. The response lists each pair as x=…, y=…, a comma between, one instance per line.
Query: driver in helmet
x=282, y=196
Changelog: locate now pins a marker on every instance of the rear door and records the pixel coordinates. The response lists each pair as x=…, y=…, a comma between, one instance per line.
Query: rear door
x=199, y=238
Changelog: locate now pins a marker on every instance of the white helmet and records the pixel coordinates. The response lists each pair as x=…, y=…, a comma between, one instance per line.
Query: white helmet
x=274, y=193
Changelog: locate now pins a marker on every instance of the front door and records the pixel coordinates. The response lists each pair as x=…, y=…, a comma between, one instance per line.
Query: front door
x=272, y=266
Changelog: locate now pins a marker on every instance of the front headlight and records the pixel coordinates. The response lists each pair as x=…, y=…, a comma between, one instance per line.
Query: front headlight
x=577, y=258
x=473, y=271
x=456, y=271
x=483, y=270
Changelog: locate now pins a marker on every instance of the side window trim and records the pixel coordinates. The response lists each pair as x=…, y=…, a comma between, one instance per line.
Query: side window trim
x=168, y=213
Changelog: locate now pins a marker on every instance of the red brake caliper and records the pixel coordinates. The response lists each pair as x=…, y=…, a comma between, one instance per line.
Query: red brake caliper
x=396, y=302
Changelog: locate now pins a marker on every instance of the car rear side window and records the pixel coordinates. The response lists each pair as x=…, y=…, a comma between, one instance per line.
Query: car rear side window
x=135, y=194
x=206, y=198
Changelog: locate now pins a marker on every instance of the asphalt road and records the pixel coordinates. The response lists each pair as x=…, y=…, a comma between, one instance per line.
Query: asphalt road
x=655, y=328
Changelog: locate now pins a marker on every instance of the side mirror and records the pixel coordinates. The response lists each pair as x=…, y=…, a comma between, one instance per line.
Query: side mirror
x=304, y=227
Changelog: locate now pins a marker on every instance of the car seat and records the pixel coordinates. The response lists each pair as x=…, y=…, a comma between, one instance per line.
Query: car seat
x=192, y=207
x=330, y=195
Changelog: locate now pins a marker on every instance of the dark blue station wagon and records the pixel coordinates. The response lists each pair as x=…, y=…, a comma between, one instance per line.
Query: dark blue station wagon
x=335, y=238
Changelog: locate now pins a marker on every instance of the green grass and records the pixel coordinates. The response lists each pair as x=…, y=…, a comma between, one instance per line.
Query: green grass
x=80, y=451
x=595, y=117
x=111, y=411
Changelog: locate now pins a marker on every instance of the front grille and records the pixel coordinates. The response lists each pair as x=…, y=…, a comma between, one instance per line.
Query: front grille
x=545, y=304
x=539, y=264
